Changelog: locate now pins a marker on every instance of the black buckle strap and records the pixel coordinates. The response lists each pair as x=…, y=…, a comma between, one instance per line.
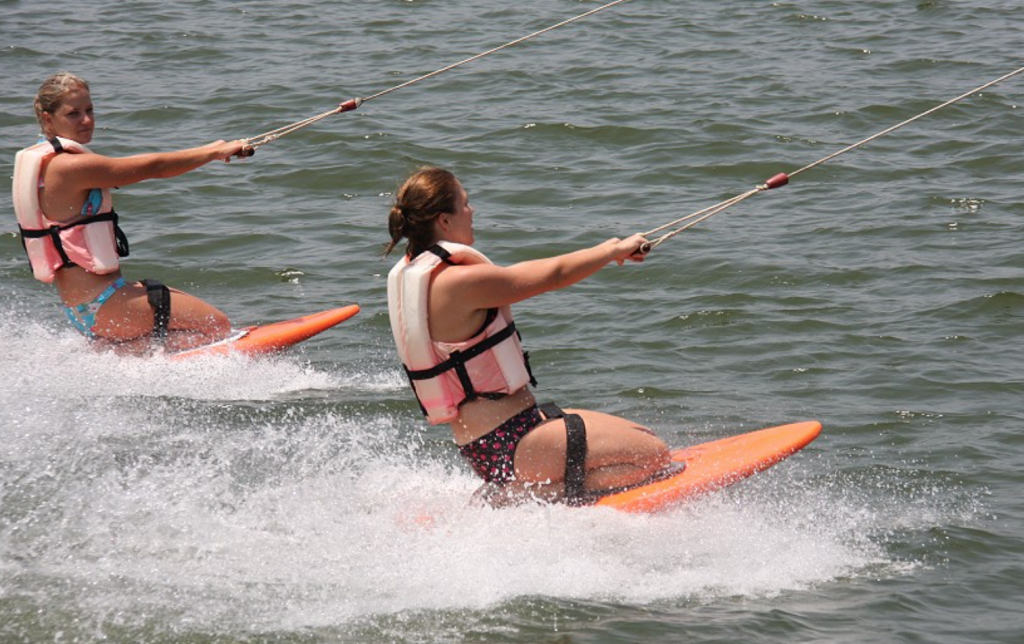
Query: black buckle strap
x=575, y=453
x=120, y=239
x=461, y=357
x=54, y=231
x=439, y=250
x=529, y=371
x=159, y=297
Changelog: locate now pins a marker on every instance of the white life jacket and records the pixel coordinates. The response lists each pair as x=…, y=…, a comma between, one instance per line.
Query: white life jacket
x=444, y=375
x=95, y=242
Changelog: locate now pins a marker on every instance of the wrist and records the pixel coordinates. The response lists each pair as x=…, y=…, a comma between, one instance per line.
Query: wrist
x=611, y=248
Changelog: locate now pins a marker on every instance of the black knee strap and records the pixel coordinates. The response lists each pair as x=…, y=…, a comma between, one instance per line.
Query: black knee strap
x=575, y=452
x=159, y=297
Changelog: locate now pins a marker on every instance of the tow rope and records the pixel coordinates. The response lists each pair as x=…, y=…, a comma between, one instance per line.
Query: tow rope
x=353, y=103
x=782, y=178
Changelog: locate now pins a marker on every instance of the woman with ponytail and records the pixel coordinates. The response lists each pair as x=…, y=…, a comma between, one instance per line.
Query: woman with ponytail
x=450, y=315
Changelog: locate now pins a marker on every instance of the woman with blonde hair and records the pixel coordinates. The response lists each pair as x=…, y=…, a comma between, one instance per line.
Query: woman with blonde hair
x=70, y=229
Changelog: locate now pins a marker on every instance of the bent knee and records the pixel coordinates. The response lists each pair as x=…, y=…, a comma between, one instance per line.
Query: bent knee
x=218, y=322
x=191, y=313
x=635, y=446
x=647, y=450
x=660, y=456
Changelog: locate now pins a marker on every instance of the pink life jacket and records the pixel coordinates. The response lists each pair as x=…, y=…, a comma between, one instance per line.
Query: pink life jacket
x=95, y=242
x=491, y=364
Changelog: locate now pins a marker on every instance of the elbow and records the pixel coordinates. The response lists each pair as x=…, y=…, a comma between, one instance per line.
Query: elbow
x=559, y=279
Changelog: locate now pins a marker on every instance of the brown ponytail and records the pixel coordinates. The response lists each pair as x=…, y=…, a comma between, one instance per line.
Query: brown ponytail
x=425, y=196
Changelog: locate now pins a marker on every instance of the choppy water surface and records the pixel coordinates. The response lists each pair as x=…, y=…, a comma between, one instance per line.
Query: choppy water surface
x=301, y=498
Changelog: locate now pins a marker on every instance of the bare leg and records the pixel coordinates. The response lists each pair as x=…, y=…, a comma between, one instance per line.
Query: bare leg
x=619, y=452
x=128, y=316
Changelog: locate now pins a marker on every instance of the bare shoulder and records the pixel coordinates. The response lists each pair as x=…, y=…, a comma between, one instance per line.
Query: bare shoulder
x=91, y=170
x=85, y=162
x=474, y=286
x=468, y=275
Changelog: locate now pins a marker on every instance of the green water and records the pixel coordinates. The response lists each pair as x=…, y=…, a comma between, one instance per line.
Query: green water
x=302, y=499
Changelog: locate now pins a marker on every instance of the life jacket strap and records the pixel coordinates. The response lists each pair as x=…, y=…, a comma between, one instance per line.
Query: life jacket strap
x=441, y=252
x=459, y=358
x=54, y=231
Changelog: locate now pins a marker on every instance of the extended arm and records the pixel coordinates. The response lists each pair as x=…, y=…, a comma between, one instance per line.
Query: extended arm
x=76, y=172
x=483, y=286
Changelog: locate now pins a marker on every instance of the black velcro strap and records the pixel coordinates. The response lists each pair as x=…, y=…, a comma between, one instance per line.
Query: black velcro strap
x=463, y=374
x=461, y=357
x=160, y=299
x=34, y=233
x=413, y=385
x=57, y=147
x=550, y=410
x=93, y=219
x=120, y=239
x=529, y=371
x=439, y=250
x=575, y=458
x=575, y=452
x=53, y=232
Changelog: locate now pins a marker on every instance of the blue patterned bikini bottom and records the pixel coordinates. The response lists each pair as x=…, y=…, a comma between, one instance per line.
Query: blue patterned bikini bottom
x=83, y=316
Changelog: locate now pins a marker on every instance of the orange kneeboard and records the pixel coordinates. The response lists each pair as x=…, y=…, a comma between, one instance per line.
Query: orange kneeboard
x=714, y=465
x=273, y=337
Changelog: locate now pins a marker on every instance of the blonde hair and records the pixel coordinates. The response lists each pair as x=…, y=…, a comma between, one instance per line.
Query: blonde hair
x=52, y=92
